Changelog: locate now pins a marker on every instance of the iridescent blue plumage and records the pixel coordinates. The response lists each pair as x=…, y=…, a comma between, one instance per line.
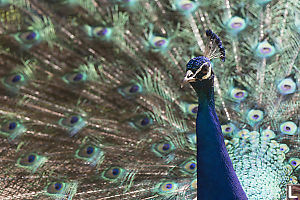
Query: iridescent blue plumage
x=216, y=176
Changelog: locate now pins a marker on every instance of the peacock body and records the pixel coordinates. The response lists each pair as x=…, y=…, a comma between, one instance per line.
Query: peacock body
x=92, y=108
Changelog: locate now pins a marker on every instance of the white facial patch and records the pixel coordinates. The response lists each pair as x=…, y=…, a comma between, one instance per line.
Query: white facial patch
x=190, y=76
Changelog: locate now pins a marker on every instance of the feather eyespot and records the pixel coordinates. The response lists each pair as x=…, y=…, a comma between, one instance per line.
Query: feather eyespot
x=268, y=134
x=159, y=42
x=113, y=173
x=73, y=123
x=189, y=166
x=294, y=162
x=61, y=190
x=189, y=108
x=228, y=129
x=14, y=80
x=265, y=49
x=31, y=161
x=163, y=148
x=131, y=90
x=141, y=122
x=286, y=86
x=166, y=187
x=284, y=148
x=28, y=159
x=244, y=133
x=75, y=78
x=236, y=24
x=91, y=154
x=12, y=129
x=29, y=37
x=255, y=116
x=87, y=151
x=55, y=187
x=288, y=128
x=186, y=7
x=102, y=33
x=237, y=94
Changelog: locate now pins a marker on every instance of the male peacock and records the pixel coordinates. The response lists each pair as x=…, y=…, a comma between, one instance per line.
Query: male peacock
x=91, y=104
x=216, y=178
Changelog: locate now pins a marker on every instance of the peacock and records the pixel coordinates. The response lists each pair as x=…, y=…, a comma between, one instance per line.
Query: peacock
x=93, y=104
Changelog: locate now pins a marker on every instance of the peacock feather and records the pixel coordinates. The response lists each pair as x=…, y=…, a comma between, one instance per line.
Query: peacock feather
x=92, y=105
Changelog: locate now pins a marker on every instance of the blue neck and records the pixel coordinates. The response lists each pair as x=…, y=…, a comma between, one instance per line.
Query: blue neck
x=216, y=178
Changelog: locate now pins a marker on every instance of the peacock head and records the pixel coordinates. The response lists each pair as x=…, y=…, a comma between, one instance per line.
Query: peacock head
x=198, y=70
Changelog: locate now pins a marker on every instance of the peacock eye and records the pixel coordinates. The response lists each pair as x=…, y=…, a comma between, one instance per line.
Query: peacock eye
x=255, y=116
x=238, y=94
x=141, y=122
x=268, y=134
x=159, y=42
x=56, y=188
x=28, y=159
x=236, y=24
x=29, y=37
x=193, y=109
x=91, y=154
x=75, y=77
x=10, y=126
x=294, y=162
x=61, y=190
x=102, y=32
x=189, y=108
x=15, y=80
x=286, y=86
x=265, y=49
x=87, y=151
x=12, y=129
x=284, y=148
x=189, y=166
x=73, y=123
x=228, y=129
x=167, y=187
x=31, y=161
x=186, y=6
x=145, y=121
x=288, y=128
x=72, y=120
x=130, y=90
x=163, y=148
x=113, y=173
x=244, y=133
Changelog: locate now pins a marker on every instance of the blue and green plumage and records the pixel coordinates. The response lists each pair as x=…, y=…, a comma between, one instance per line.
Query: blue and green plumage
x=91, y=104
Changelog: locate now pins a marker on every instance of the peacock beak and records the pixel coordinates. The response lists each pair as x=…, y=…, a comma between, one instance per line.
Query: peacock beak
x=189, y=77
